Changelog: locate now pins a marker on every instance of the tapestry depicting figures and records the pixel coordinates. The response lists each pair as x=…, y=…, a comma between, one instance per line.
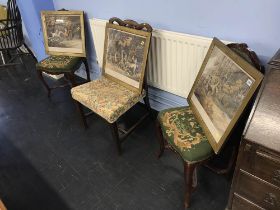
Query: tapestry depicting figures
x=125, y=56
x=221, y=91
x=64, y=32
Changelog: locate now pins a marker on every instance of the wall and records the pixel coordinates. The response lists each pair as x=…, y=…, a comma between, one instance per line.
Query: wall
x=253, y=21
x=30, y=12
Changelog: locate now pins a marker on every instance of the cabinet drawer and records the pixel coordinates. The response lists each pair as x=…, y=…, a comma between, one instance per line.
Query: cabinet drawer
x=262, y=164
x=240, y=203
x=257, y=191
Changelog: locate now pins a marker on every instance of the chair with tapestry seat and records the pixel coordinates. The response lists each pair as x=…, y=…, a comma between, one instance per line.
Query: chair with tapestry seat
x=123, y=83
x=57, y=64
x=179, y=130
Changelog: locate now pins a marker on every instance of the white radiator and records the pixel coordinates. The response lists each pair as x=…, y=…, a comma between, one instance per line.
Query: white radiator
x=174, y=58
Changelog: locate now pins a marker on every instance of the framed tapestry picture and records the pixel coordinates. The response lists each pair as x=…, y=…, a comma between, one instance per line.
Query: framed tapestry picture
x=221, y=91
x=125, y=55
x=64, y=33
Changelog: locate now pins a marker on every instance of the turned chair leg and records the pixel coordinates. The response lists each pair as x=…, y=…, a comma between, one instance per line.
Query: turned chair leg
x=40, y=75
x=81, y=113
x=87, y=69
x=160, y=139
x=189, y=177
x=116, y=137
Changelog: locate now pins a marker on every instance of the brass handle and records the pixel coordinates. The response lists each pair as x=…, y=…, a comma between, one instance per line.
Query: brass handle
x=271, y=199
x=247, y=147
x=276, y=176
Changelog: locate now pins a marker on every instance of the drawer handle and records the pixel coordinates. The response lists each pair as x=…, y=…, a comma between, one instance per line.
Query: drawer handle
x=276, y=176
x=247, y=147
x=271, y=199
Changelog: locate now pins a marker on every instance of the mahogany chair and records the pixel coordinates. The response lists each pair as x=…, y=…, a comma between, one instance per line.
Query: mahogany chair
x=179, y=131
x=125, y=55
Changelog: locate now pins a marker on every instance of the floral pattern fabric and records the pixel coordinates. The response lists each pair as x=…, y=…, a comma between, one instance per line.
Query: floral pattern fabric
x=183, y=132
x=106, y=98
x=59, y=63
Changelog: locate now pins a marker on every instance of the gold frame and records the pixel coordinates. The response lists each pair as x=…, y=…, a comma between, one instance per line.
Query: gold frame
x=246, y=67
x=68, y=13
x=145, y=34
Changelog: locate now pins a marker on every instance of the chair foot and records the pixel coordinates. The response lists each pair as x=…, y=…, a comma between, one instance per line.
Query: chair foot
x=82, y=114
x=116, y=137
x=189, y=177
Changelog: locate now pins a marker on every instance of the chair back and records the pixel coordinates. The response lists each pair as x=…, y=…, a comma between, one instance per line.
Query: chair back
x=13, y=12
x=126, y=52
x=11, y=35
x=234, y=138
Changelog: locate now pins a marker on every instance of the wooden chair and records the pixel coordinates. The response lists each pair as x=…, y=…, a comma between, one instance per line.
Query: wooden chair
x=185, y=129
x=60, y=64
x=115, y=92
x=56, y=64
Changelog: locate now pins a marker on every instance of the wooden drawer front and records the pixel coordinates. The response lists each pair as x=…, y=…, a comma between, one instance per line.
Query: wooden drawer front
x=262, y=164
x=257, y=191
x=241, y=204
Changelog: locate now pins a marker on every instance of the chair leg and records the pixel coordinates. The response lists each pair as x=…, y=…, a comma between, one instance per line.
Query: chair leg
x=115, y=134
x=81, y=113
x=30, y=52
x=160, y=139
x=40, y=75
x=71, y=77
x=147, y=103
x=87, y=69
x=188, y=175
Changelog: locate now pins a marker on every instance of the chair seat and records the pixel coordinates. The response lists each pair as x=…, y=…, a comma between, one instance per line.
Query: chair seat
x=106, y=98
x=59, y=64
x=182, y=131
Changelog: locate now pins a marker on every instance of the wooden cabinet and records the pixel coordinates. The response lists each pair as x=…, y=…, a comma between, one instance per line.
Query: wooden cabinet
x=256, y=181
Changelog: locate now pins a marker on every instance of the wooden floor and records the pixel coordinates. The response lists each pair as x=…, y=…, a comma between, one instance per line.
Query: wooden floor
x=48, y=160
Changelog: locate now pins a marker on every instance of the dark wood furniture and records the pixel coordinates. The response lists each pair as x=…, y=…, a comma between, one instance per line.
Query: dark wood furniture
x=256, y=182
x=231, y=147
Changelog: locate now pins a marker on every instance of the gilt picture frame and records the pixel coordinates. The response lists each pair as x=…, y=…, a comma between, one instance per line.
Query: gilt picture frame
x=221, y=91
x=125, y=55
x=64, y=33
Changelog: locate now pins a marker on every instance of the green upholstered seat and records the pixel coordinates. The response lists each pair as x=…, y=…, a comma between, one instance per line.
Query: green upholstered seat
x=182, y=131
x=59, y=64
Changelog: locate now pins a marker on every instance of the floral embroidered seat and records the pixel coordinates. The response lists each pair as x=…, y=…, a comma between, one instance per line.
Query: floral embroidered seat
x=106, y=98
x=182, y=131
x=66, y=65
x=59, y=64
